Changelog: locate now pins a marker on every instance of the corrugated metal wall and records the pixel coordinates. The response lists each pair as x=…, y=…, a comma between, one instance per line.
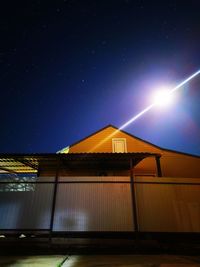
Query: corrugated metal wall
x=173, y=207
x=163, y=205
x=93, y=206
x=30, y=209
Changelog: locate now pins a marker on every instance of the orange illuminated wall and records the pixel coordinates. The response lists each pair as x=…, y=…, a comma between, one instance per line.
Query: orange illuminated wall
x=173, y=164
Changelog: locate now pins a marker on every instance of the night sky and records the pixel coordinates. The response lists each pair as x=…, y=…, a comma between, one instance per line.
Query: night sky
x=68, y=68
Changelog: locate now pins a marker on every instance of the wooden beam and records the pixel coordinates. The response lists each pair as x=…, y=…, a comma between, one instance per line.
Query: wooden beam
x=159, y=171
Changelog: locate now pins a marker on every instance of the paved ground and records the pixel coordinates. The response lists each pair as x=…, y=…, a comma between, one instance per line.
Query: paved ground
x=101, y=261
x=132, y=261
x=32, y=261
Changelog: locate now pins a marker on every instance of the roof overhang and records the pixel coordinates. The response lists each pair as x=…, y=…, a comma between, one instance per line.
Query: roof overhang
x=31, y=163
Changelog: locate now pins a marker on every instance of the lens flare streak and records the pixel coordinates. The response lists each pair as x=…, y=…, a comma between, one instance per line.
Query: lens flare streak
x=136, y=117
x=142, y=113
x=185, y=81
x=152, y=105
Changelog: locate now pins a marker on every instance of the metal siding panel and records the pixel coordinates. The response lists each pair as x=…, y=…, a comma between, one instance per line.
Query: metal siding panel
x=93, y=207
x=26, y=209
x=168, y=208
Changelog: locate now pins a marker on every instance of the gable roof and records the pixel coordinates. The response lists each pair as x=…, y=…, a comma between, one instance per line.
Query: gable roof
x=133, y=136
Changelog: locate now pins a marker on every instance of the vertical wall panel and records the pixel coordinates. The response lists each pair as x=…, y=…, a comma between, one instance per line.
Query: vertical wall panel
x=105, y=206
x=31, y=209
x=93, y=207
x=168, y=207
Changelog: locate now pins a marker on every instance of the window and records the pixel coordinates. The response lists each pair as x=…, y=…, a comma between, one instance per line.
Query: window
x=119, y=145
x=17, y=182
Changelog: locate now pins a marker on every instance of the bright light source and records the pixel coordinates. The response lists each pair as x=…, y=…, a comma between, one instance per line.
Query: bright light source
x=162, y=98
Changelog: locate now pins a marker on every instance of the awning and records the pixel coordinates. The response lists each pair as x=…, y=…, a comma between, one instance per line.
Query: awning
x=31, y=163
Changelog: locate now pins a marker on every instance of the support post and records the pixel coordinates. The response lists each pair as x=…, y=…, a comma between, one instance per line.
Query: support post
x=159, y=171
x=133, y=198
x=54, y=199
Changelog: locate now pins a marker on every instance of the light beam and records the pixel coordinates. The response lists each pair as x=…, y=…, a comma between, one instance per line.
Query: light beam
x=136, y=116
x=152, y=105
x=142, y=112
x=185, y=81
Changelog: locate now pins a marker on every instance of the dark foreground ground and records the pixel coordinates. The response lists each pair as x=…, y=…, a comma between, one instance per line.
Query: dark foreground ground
x=128, y=260
x=119, y=253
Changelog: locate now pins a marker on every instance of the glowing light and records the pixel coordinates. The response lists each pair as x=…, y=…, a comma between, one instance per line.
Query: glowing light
x=162, y=98
x=152, y=105
x=170, y=92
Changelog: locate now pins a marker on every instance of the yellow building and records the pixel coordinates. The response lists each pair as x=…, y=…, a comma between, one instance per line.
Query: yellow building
x=112, y=140
x=110, y=182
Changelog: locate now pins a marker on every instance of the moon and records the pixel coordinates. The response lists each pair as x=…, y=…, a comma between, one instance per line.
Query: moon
x=163, y=97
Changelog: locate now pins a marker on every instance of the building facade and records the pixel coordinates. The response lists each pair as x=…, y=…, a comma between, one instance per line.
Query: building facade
x=110, y=182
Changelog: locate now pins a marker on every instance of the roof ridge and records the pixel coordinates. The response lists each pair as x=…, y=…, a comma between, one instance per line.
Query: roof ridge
x=138, y=138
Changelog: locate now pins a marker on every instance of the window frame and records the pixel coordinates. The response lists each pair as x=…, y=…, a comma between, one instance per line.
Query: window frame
x=119, y=139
